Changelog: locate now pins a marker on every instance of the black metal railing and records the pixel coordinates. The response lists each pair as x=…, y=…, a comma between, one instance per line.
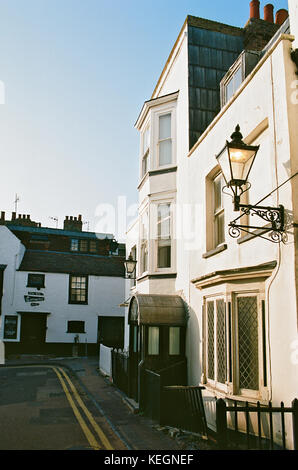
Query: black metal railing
x=233, y=436
x=153, y=383
x=120, y=364
x=183, y=408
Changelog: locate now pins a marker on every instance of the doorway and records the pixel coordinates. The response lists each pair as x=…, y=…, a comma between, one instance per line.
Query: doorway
x=33, y=333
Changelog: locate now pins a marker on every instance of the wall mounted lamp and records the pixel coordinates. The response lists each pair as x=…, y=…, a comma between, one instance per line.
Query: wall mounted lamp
x=236, y=160
x=130, y=267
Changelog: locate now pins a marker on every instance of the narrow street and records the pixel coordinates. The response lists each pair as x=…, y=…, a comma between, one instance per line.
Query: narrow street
x=43, y=408
x=66, y=404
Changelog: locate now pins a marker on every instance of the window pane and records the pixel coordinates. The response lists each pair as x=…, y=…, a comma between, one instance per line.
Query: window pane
x=165, y=126
x=74, y=245
x=83, y=245
x=78, y=289
x=145, y=164
x=153, y=340
x=164, y=254
x=174, y=341
x=135, y=339
x=219, y=229
x=75, y=327
x=218, y=193
x=210, y=340
x=146, y=139
x=248, y=343
x=164, y=221
x=229, y=90
x=165, y=152
x=92, y=246
x=237, y=79
x=221, y=341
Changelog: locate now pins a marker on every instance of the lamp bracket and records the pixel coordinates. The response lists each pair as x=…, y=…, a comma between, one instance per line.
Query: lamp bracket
x=272, y=215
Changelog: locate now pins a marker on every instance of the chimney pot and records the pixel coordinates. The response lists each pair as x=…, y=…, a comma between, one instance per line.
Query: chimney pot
x=20, y=216
x=254, y=9
x=268, y=13
x=71, y=217
x=13, y=216
x=28, y=217
x=281, y=16
x=80, y=218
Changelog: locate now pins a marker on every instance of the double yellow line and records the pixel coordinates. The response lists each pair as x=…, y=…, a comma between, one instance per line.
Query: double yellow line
x=96, y=437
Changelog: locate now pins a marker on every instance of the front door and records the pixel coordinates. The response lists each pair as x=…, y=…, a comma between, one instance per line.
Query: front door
x=33, y=333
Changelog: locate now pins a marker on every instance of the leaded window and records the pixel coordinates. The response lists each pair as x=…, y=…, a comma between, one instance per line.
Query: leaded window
x=216, y=342
x=248, y=346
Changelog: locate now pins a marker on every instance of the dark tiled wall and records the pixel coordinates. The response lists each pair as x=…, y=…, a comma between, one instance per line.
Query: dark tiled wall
x=211, y=54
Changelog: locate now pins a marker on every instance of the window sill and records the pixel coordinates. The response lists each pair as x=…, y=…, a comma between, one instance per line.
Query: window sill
x=77, y=303
x=218, y=393
x=215, y=251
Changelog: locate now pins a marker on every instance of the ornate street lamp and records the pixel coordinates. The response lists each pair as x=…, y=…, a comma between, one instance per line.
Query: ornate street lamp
x=236, y=160
x=130, y=267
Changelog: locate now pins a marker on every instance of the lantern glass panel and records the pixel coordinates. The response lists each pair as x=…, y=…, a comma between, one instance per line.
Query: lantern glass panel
x=241, y=161
x=224, y=162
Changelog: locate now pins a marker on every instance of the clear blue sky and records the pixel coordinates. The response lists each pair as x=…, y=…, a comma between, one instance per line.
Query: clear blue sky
x=76, y=74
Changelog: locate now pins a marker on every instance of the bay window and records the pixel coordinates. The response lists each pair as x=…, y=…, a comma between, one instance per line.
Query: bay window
x=234, y=353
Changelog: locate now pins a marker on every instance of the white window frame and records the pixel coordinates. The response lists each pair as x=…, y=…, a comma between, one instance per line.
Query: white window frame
x=169, y=108
x=145, y=152
x=144, y=242
x=154, y=233
x=217, y=212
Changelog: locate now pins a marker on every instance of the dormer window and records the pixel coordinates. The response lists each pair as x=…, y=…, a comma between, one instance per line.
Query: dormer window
x=241, y=68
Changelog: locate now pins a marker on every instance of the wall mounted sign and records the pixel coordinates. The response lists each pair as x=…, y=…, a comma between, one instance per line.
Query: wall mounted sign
x=34, y=297
x=10, y=327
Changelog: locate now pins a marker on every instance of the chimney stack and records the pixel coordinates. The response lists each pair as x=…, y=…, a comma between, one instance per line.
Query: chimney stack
x=73, y=224
x=268, y=13
x=281, y=16
x=254, y=9
x=2, y=215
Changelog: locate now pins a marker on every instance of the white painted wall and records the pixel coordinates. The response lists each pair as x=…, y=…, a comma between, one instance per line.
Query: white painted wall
x=293, y=13
x=105, y=360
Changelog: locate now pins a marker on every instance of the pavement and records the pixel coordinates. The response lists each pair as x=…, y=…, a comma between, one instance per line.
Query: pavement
x=137, y=432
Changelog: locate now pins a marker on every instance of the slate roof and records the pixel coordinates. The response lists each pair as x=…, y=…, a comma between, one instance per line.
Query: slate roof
x=57, y=231
x=72, y=263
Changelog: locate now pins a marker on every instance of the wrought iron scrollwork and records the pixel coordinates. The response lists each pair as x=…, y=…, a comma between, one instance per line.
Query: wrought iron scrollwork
x=272, y=215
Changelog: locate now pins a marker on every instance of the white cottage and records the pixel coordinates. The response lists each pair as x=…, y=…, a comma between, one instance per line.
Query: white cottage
x=61, y=288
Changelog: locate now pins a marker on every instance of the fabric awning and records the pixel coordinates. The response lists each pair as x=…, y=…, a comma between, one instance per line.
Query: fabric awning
x=156, y=309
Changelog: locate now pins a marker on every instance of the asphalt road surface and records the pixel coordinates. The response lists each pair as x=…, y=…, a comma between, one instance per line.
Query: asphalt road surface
x=43, y=408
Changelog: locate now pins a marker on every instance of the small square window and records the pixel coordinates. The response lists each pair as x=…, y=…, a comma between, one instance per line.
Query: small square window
x=36, y=280
x=75, y=327
x=93, y=246
x=74, y=245
x=84, y=245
